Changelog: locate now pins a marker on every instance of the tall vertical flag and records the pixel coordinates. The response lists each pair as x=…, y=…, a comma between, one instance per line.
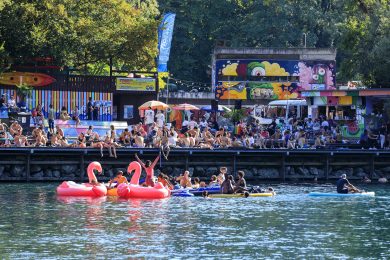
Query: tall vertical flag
x=165, y=31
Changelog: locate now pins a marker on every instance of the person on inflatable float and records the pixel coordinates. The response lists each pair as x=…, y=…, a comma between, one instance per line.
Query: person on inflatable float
x=343, y=186
x=149, y=169
x=118, y=179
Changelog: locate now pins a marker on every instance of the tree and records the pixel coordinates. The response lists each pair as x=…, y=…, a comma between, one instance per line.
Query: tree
x=78, y=33
x=365, y=42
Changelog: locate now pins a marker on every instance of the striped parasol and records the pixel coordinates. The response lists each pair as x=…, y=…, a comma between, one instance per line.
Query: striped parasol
x=185, y=106
x=153, y=104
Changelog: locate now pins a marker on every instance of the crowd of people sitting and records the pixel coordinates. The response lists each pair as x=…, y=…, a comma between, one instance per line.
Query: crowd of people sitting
x=296, y=133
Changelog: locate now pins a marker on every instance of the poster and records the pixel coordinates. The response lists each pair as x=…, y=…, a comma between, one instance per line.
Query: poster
x=128, y=112
x=136, y=84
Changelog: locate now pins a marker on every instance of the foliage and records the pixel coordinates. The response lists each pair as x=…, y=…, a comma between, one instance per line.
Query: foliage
x=23, y=91
x=78, y=33
x=358, y=28
x=236, y=115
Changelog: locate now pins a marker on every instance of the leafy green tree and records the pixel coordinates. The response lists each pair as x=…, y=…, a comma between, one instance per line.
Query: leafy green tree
x=365, y=42
x=78, y=33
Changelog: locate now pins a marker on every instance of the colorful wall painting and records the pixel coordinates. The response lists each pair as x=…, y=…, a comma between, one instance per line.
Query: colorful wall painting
x=69, y=99
x=272, y=79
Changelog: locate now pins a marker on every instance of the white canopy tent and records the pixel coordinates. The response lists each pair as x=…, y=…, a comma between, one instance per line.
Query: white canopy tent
x=289, y=102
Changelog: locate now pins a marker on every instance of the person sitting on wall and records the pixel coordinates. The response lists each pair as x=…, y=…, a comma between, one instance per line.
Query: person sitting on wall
x=125, y=137
x=15, y=129
x=76, y=115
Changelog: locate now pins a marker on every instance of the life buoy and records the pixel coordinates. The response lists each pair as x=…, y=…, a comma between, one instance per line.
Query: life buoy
x=352, y=128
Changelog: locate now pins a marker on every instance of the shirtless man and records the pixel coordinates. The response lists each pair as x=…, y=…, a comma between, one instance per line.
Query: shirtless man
x=139, y=140
x=185, y=180
x=149, y=169
x=225, y=141
x=207, y=136
x=185, y=141
x=125, y=137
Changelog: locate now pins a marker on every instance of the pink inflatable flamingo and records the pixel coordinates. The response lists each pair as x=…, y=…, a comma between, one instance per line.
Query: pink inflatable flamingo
x=134, y=190
x=91, y=189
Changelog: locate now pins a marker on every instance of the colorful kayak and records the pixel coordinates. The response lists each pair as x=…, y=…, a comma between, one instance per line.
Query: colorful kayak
x=324, y=194
x=241, y=195
x=28, y=78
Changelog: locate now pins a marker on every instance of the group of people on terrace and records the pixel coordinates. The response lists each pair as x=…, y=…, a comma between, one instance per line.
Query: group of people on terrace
x=297, y=133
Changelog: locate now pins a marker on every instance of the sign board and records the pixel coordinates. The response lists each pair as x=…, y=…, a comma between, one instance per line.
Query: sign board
x=136, y=84
x=128, y=112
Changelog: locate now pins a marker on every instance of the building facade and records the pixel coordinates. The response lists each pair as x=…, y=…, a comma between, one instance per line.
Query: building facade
x=266, y=74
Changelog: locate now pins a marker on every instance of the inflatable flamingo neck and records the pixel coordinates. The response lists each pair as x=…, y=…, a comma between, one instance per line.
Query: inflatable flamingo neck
x=91, y=175
x=134, y=166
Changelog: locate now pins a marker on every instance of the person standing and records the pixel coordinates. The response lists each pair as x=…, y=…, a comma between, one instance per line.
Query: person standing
x=3, y=102
x=149, y=119
x=160, y=119
x=51, y=117
x=95, y=112
x=12, y=104
x=89, y=109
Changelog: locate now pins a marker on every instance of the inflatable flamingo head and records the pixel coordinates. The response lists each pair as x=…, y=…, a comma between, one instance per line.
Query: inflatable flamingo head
x=95, y=166
x=133, y=166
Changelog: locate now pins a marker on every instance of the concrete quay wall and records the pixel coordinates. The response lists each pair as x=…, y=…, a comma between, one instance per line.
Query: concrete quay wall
x=55, y=164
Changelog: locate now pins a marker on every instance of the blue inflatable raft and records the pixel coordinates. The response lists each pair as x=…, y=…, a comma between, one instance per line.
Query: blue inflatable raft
x=197, y=192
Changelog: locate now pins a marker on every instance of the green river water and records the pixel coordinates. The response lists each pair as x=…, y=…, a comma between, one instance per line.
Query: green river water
x=35, y=224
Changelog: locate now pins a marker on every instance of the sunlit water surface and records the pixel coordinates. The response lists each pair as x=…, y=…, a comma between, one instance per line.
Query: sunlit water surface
x=35, y=224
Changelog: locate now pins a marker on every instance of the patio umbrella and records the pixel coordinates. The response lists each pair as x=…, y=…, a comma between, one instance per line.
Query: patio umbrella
x=185, y=106
x=220, y=108
x=154, y=105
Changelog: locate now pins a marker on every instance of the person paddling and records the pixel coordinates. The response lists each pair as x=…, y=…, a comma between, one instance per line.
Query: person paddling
x=343, y=186
x=149, y=169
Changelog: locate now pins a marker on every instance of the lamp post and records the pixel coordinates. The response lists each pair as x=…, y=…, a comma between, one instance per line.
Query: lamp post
x=166, y=99
x=305, y=34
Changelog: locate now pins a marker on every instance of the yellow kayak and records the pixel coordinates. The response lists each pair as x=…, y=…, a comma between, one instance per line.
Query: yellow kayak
x=112, y=192
x=241, y=195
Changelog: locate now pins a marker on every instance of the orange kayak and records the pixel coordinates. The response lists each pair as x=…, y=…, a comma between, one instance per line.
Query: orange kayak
x=27, y=78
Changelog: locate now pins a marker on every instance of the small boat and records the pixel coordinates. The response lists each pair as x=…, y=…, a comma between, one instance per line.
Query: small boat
x=324, y=194
x=241, y=195
x=31, y=79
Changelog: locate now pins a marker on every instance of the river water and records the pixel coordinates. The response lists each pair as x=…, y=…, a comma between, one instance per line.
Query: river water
x=35, y=224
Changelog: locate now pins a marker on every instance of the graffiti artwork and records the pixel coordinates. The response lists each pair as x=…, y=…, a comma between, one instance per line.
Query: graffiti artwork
x=256, y=79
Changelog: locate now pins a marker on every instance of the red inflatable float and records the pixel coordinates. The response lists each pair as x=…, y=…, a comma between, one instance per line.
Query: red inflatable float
x=91, y=189
x=134, y=190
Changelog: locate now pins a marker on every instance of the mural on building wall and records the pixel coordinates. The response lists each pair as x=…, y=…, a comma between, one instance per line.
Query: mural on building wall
x=256, y=79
